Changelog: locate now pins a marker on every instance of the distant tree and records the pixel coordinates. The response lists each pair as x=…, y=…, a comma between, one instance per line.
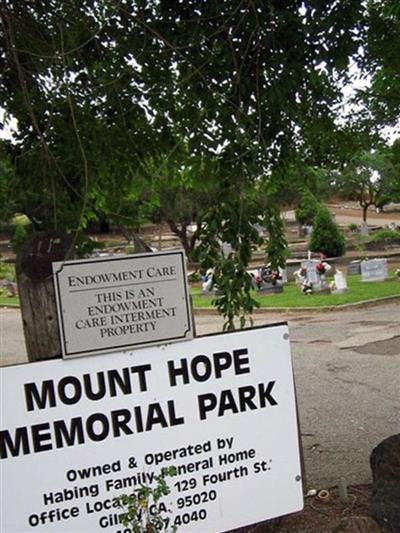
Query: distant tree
x=371, y=178
x=181, y=208
x=326, y=237
x=307, y=208
x=7, y=184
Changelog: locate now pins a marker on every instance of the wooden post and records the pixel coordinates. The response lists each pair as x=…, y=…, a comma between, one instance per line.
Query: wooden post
x=36, y=293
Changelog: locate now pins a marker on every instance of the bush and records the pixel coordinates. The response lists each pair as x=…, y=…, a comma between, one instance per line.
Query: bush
x=307, y=209
x=326, y=237
x=7, y=271
x=353, y=227
x=385, y=234
x=19, y=237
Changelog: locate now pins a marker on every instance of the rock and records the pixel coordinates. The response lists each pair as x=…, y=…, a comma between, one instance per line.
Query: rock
x=385, y=465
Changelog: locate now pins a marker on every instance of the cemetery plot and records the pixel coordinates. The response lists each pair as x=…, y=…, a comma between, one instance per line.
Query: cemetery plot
x=121, y=302
x=220, y=409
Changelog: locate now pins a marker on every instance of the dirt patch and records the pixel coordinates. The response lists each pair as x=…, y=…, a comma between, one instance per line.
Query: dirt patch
x=328, y=515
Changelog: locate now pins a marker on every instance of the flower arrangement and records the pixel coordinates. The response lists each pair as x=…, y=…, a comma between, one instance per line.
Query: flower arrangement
x=321, y=268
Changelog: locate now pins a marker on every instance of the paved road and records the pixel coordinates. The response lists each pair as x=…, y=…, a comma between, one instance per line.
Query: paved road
x=347, y=370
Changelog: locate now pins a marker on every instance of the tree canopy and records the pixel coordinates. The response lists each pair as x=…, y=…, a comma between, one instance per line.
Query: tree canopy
x=372, y=178
x=236, y=92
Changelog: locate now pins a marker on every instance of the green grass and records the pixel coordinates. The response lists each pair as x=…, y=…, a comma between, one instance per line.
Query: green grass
x=5, y=300
x=292, y=297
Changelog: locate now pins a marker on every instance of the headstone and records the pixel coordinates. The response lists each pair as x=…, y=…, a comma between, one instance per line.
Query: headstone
x=267, y=280
x=354, y=268
x=312, y=274
x=364, y=229
x=270, y=288
x=314, y=280
x=208, y=287
x=340, y=281
x=292, y=266
x=374, y=270
x=300, y=276
x=385, y=465
x=226, y=249
x=283, y=274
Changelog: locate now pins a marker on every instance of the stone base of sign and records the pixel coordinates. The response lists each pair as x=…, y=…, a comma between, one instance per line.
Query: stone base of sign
x=339, y=291
x=385, y=465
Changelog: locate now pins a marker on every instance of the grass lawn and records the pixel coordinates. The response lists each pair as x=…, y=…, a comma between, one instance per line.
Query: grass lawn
x=292, y=297
x=5, y=300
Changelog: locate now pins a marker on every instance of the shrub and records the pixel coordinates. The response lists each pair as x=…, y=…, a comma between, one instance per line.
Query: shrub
x=19, y=237
x=307, y=209
x=142, y=512
x=385, y=234
x=353, y=227
x=7, y=271
x=326, y=237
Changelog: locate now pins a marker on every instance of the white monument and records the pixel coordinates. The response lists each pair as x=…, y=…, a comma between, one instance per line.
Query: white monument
x=340, y=282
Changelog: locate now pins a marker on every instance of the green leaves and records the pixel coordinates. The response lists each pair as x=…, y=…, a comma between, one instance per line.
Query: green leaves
x=182, y=110
x=326, y=238
x=307, y=208
x=142, y=512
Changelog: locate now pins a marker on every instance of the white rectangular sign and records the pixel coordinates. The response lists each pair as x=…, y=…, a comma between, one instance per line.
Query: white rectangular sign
x=220, y=409
x=116, y=303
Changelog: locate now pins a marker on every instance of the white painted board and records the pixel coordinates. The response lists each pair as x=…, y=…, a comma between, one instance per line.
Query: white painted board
x=220, y=408
x=121, y=302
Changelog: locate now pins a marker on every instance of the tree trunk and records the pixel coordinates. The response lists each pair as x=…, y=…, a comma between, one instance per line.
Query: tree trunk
x=181, y=233
x=364, y=212
x=36, y=293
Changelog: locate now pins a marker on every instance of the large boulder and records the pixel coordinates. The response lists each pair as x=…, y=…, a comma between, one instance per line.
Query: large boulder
x=385, y=465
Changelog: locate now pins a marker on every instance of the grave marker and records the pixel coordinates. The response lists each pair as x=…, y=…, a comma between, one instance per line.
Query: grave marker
x=374, y=270
x=340, y=281
x=312, y=274
x=364, y=229
x=354, y=268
